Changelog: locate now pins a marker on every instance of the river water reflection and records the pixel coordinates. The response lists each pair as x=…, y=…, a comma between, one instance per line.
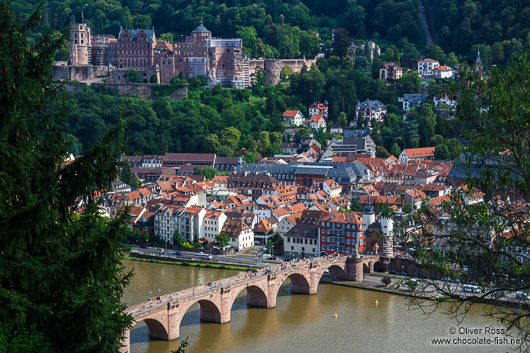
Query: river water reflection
x=299, y=323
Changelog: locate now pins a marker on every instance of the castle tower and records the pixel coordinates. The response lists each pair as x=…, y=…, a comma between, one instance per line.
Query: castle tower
x=80, y=44
x=201, y=33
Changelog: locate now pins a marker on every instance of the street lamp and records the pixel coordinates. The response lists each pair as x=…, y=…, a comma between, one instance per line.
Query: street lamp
x=402, y=267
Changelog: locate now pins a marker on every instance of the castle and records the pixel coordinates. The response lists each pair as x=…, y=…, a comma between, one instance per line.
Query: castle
x=220, y=61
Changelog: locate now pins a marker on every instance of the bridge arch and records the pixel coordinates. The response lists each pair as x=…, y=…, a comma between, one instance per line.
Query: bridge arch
x=335, y=272
x=156, y=329
x=208, y=310
x=379, y=266
x=300, y=283
x=256, y=296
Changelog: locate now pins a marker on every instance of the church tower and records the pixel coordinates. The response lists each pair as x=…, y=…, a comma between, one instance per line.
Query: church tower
x=80, y=44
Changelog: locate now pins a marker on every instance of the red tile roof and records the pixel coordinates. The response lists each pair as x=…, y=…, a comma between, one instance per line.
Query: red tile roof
x=420, y=152
x=426, y=60
x=290, y=113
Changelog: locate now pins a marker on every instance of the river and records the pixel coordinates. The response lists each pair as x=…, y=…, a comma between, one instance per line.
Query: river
x=301, y=323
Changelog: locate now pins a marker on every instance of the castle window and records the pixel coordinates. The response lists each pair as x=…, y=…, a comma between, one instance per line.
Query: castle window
x=76, y=41
x=81, y=41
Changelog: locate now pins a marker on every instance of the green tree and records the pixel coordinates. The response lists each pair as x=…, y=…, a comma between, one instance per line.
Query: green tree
x=448, y=149
x=407, y=208
x=259, y=78
x=432, y=51
x=230, y=137
x=386, y=280
x=248, y=35
x=127, y=177
x=225, y=151
x=276, y=241
x=251, y=157
x=409, y=83
x=211, y=143
x=221, y=239
x=392, y=54
x=488, y=238
x=395, y=151
x=62, y=274
x=264, y=141
x=133, y=76
x=286, y=73
x=168, y=37
x=196, y=243
x=452, y=60
x=436, y=140
x=426, y=119
x=341, y=42
x=410, y=53
x=177, y=238
x=153, y=79
x=381, y=152
x=209, y=172
x=356, y=205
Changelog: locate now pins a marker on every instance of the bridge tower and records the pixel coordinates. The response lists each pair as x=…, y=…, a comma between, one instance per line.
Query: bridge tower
x=368, y=216
x=387, y=226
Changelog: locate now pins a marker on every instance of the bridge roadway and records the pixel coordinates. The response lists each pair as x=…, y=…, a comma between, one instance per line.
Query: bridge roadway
x=164, y=314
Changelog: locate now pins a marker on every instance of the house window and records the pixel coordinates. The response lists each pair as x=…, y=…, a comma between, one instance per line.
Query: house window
x=292, y=247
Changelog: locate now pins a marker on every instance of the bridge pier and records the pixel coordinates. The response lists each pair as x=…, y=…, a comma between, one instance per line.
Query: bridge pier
x=354, y=269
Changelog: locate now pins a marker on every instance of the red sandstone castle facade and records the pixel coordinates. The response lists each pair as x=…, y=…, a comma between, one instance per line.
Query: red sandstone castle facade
x=221, y=61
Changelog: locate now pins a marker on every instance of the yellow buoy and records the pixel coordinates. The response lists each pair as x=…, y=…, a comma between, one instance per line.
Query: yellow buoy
x=376, y=302
x=336, y=315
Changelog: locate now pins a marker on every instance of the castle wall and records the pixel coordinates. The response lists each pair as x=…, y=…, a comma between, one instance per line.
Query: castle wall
x=61, y=71
x=273, y=68
x=120, y=76
x=145, y=91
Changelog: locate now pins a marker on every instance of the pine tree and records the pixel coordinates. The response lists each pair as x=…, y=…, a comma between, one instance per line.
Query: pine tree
x=61, y=270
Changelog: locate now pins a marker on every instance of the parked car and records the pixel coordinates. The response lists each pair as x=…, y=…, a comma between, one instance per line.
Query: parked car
x=208, y=256
x=393, y=272
x=176, y=252
x=471, y=288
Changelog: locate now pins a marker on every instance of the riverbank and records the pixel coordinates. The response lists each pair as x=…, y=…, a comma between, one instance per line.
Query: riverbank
x=176, y=262
x=404, y=291
x=376, y=287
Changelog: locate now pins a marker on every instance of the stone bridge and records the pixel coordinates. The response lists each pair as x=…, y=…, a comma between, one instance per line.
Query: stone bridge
x=164, y=314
